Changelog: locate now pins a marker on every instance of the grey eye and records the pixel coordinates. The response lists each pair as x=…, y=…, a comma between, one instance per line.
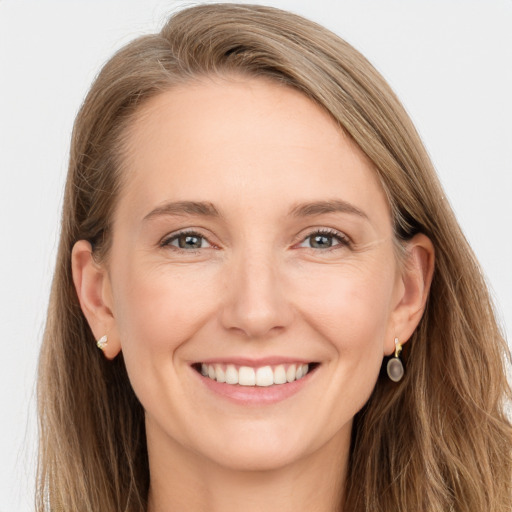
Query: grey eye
x=321, y=240
x=187, y=241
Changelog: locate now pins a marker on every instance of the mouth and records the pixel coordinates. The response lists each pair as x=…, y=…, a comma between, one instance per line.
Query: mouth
x=249, y=376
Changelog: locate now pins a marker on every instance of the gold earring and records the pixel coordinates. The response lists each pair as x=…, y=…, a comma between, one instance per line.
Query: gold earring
x=102, y=342
x=395, y=368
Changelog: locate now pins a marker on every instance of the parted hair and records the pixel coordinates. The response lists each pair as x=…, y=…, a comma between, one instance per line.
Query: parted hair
x=438, y=441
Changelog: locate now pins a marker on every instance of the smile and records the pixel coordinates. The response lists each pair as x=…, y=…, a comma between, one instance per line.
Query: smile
x=262, y=376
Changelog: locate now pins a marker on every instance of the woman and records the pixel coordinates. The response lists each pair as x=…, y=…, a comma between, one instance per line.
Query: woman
x=254, y=246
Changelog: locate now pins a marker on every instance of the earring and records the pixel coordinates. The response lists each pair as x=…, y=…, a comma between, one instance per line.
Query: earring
x=102, y=342
x=395, y=367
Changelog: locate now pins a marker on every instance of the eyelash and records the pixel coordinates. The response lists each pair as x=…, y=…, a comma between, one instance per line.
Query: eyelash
x=332, y=233
x=343, y=240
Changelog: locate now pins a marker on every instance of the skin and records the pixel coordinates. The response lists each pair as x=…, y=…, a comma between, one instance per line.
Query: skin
x=257, y=286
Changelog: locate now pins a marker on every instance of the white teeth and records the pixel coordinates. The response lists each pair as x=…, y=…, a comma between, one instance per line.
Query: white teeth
x=264, y=376
x=279, y=375
x=248, y=376
x=231, y=374
x=219, y=373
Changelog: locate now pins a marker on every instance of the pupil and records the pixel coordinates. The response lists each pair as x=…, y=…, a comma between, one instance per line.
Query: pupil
x=321, y=241
x=190, y=241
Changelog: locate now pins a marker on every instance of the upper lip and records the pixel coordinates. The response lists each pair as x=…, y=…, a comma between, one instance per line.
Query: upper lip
x=255, y=363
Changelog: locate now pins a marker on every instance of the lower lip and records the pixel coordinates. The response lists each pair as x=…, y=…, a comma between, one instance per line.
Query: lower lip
x=255, y=395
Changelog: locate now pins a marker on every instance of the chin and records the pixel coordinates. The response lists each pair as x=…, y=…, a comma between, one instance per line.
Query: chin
x=259, y=458
x=260, y=447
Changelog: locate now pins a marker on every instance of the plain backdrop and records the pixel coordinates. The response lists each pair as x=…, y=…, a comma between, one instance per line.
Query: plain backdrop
x=450, y=62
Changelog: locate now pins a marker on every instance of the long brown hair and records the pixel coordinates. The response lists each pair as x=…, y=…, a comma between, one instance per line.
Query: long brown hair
x=438, y=441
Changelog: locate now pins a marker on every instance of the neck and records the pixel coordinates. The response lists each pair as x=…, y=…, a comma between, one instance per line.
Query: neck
x=186, y=482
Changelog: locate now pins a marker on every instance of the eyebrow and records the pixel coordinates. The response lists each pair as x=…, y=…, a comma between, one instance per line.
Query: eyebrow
x=181, y=208
x=323, y=207
x=207, y=209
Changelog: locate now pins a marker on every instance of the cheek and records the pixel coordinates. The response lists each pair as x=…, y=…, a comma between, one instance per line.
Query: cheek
x=353, y=316
x=350, y=305
x=158, y=309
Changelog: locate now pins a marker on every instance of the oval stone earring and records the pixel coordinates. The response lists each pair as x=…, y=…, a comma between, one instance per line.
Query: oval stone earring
x=395, y=368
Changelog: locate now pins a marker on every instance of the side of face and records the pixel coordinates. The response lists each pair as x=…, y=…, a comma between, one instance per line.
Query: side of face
x=251, y=231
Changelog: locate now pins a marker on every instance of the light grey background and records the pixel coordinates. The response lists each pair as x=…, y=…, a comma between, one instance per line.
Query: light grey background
x=449, y=61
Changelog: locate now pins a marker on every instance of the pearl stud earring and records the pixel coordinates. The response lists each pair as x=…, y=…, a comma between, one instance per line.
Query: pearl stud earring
x=102, y=342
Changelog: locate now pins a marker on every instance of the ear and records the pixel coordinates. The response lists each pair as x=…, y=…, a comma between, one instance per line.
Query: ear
x=412, y=293
x=93, y=288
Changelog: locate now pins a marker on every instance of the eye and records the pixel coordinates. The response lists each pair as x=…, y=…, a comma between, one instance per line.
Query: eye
x=186, y=240
x=325, y=239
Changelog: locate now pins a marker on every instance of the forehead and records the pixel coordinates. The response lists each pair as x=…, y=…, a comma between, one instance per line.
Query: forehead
x=235, y=109
x=237, y=138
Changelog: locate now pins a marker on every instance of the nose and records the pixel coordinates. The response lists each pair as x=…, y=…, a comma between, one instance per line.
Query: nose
x=256, y=304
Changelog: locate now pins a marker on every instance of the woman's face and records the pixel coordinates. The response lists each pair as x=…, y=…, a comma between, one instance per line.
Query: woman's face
x=252, y=237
